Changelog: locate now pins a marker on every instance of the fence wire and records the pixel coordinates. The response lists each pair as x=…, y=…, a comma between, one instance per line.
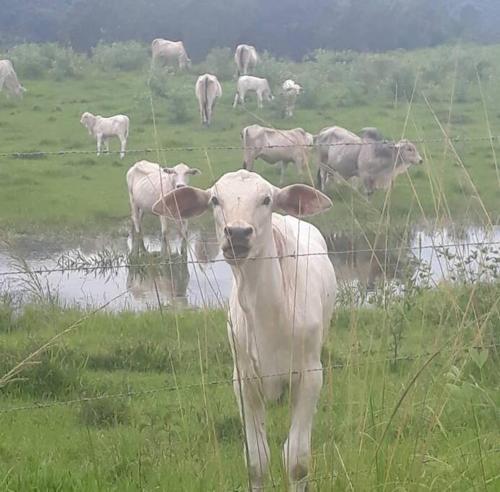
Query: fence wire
x=230, y=381
x=192, y=148
x=88, y=267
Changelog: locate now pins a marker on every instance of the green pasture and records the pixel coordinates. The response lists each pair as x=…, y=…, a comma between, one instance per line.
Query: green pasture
x=407, y=403
x=458, y=181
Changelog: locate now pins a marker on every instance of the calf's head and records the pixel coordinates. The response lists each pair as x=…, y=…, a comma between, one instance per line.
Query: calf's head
x=180, y=174
x=87, y=120
x=408, y=153
x=242, y=203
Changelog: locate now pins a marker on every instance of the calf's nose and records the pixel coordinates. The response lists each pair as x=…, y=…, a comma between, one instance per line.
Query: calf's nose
x=237, y=233
x=180, y=185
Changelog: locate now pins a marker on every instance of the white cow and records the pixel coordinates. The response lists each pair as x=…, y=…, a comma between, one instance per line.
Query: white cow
x=248, y=83
x=103, y=129
x=290, y=90
x=208, y=90
x=246, y=58
x=147, y=182
x=170, y=52
x=273, y=146
x=9, y=81
x=280, y=308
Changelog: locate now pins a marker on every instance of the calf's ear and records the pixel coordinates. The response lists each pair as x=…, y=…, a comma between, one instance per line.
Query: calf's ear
x=301, y=200
x=182, y=203
x=194, y=171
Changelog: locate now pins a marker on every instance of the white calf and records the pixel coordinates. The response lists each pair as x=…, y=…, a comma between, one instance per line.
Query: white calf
x=104, y=128
x=290, y=90
x=147, y=182
x=248, y=83
x=281, y=303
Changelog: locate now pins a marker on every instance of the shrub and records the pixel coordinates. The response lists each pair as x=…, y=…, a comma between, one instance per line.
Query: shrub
x=37, y=60
x=220, y=62
x=28, y=60
x=126, y=56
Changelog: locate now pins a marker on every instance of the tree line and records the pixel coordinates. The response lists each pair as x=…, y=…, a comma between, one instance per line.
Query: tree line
x=289, y=28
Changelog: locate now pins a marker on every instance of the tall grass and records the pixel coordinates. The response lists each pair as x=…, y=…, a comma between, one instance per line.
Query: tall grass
x=382, y=422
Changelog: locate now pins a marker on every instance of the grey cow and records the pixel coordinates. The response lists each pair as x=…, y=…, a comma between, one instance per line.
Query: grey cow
x=375, y=161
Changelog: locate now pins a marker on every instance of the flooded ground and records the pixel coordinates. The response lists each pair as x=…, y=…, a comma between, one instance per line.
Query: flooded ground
x=195, y=275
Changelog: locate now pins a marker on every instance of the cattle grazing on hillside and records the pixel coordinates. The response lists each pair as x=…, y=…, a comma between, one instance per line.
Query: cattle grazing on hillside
x=246, y=59
x=276, y=146
x=375, y=161
x=103, y=128
x=208, y=90
x=290, y=92
x=147, y=182
x=280, y=306
x=9, y=81
x=248, y=83
x=170, y=53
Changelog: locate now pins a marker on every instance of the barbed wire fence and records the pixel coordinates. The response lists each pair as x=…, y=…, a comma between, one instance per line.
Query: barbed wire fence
x=192, y=148
x=89, y=265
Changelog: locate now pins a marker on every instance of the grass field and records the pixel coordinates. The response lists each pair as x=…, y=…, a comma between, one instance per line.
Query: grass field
x=384, y=422
x=408, y=403
x=83, y=192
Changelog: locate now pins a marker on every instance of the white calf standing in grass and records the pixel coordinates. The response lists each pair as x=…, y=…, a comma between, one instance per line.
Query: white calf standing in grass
x=290, y=91
x=208, y=90
x=281, y=304
x=248, y=83
x=147, y=182
x=104, y=128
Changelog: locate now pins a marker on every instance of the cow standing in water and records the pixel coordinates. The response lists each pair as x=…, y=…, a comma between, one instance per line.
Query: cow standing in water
x=208, y=90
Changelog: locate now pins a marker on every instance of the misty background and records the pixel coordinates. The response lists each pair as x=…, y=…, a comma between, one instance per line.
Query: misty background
x=288, y=28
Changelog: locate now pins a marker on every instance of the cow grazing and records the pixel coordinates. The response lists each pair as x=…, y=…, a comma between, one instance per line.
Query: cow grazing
x=246, y=59
x=290, y=92
x=276, y=146
x=376, y=162
x=280, y=306
x=381, y=162
x=170, y=53
x=8, y=80
x=147, y=182
x=104, y=128
x=248, y=83
x=208, y=90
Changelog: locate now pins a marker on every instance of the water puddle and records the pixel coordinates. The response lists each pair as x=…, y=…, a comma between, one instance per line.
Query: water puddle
x=191, y=278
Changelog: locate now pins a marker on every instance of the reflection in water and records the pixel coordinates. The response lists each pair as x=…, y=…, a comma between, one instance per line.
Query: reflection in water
x=367, y=259
x=163, y=276
x=362, y=261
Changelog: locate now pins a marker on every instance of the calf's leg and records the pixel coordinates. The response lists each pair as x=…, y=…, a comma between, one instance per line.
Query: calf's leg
x=99, y=144
x=123, y=142
x=297, y=450
x=253, y=415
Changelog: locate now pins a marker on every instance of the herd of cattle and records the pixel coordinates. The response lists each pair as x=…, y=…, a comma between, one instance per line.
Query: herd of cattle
x=277, y=322
x=340, y=153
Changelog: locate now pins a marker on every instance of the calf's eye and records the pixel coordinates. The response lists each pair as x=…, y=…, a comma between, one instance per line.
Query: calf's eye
x=267, y=200
x=214, y=201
